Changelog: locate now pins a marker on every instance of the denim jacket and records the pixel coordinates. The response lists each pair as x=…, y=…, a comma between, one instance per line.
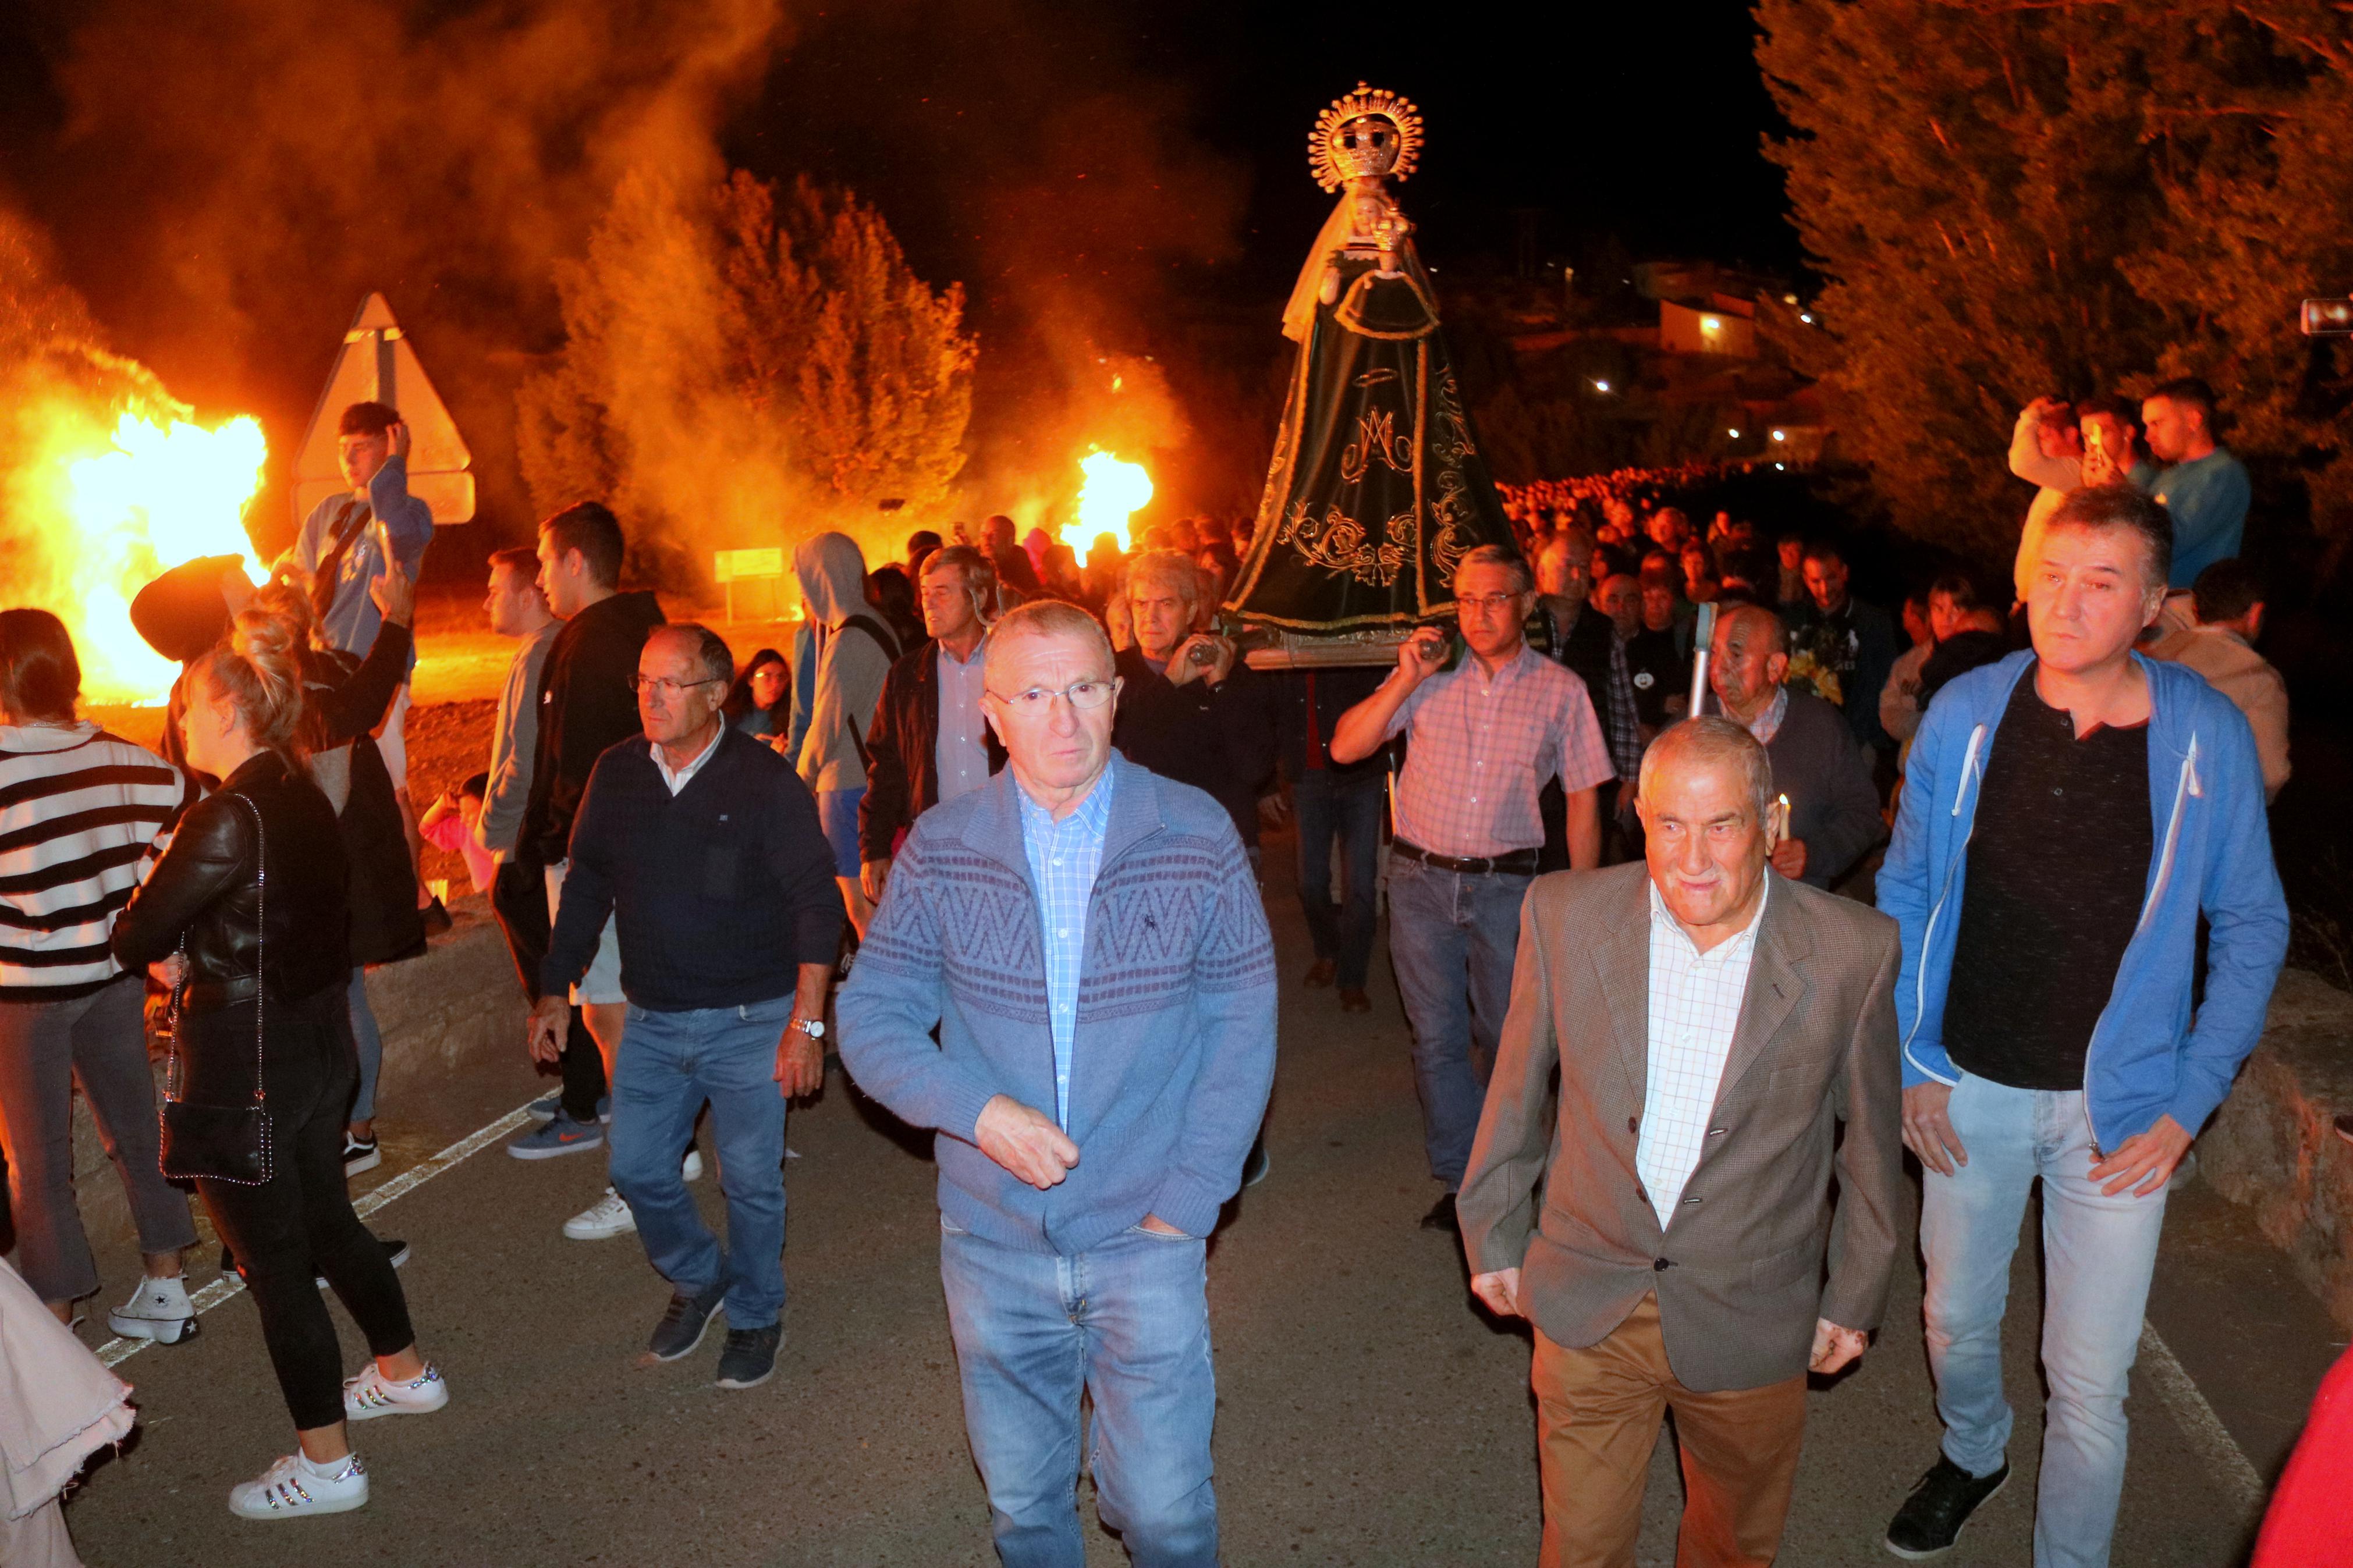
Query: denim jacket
x=2147, y=1057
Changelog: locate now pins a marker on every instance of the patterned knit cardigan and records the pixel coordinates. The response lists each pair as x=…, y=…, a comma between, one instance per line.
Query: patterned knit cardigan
x=1174, y=1050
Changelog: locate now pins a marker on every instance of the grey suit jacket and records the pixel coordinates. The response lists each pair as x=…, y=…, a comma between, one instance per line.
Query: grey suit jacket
x=1739, y=1270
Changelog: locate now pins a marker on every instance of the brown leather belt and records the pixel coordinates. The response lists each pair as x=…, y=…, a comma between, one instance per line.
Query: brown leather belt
x=1518, y=863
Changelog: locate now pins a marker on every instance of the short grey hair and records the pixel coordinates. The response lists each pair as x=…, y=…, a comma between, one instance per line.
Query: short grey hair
x=1776, y=629
x=979, y=577
x=1172, y=567
x=710, y=649
x=1510, y=560
x=1712, y=738
x=1045, y=618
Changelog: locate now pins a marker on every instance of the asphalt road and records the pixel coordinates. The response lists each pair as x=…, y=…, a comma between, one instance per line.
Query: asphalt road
x=1368, y=1414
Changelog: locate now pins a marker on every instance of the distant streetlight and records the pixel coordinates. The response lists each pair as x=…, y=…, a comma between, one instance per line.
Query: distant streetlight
x=1734, y=433
x=1781, y=465
x=1807, y=317
x=1710, y=325
x=1600, y=386
x=1780, y=435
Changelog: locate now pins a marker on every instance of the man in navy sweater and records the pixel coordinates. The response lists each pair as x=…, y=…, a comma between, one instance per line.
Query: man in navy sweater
x=704, y=846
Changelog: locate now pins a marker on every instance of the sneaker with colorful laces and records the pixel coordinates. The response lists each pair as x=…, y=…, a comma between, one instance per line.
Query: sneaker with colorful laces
x=294, y=1487
x=371, y=1393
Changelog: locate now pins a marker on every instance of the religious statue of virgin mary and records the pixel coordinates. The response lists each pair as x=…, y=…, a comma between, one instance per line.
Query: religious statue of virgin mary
x=1378, y=488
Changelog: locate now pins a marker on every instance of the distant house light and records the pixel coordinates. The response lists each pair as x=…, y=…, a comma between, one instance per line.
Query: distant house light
x=1780, y=435
x=1710, y=324
x=1789, y=298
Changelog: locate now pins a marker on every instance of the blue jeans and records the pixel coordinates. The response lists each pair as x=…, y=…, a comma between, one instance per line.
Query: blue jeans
x=669, y=1064
x=2099, y=1255
x=368, y=1041
x=1452, y=938
x=1350, y=810
x=1128, y=1323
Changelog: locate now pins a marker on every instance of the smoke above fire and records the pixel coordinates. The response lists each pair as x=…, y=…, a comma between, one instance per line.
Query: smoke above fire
x=223, y=184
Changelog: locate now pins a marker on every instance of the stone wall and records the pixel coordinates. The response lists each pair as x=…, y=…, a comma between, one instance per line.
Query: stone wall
x=2273, y=1148
x=460, y=999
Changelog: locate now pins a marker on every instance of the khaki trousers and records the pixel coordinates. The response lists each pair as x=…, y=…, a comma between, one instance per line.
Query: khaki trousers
x=1598, y=1413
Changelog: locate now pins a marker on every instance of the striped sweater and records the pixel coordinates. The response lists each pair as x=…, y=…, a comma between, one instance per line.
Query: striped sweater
x=82, y=814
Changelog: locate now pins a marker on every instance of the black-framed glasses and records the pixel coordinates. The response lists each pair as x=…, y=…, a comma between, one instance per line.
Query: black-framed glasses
x=667, y=688
x=1038, y=700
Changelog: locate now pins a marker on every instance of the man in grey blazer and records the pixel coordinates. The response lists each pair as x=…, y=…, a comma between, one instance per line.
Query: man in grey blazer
x=1667, y=1228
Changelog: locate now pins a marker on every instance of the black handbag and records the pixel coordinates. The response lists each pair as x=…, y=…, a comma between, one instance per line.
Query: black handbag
x=222, y=1143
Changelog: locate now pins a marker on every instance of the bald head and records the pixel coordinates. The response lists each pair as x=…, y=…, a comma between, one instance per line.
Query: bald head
x=1748, y=659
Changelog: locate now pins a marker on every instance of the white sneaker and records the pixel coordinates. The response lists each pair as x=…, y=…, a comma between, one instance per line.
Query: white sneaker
x=690, y=1168
x=292, y=1488
x=371, y=1395
x=159, y=1311
x=607, y=1217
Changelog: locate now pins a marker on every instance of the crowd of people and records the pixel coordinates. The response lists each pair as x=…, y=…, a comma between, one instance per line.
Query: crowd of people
x=991, y=824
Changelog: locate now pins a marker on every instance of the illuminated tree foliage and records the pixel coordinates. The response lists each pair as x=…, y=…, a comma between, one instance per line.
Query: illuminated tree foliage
x=739, y=365
x=2013, y=198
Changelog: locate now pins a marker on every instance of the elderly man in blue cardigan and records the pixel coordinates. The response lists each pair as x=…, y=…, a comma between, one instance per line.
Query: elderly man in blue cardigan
x=1087, y=939
x=2069, y=814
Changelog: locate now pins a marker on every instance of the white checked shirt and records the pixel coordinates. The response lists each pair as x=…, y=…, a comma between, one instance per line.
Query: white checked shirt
x=1063, y=859
x=1483, y=749
x=676, y=778
x=1694, y=1011
x=960, y=755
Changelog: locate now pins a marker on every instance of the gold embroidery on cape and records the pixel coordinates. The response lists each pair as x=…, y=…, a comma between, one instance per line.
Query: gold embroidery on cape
x=1375, y=436
x=1339, y=543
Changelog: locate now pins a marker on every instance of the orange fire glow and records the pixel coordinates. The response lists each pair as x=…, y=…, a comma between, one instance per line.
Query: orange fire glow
x=1112, y=491
x=165, y=492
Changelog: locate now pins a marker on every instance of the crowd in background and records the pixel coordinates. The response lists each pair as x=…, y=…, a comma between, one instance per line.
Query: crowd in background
x=1444, y=782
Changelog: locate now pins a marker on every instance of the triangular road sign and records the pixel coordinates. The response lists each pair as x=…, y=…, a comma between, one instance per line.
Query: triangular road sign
x=377, y=364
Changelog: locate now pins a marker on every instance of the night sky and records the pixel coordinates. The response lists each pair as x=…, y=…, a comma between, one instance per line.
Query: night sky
x=1100, y=177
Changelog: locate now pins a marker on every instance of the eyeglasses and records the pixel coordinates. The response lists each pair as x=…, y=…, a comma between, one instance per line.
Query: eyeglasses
x=667, y=689
x=1486, y=603
x=1036, y=702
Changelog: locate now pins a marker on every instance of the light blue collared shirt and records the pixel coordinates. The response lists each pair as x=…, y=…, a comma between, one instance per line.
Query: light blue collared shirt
x=1063, y=858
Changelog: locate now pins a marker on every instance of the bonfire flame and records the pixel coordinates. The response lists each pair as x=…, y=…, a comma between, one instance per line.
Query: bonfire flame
x=1114, y=490
x=166, y=494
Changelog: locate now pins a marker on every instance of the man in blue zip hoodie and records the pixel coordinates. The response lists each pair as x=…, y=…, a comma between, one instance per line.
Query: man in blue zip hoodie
x=1088, y=941
x=2068, y=816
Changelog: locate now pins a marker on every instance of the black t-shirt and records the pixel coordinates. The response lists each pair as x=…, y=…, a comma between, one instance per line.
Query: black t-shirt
x=1660, y=671
x=2058, y=867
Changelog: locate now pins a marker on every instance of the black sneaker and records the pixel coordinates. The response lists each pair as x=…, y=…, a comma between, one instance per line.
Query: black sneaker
x=361, y=1153
x=436, y=916
x=1441, y=1217
x=684, y=1322
x=1941, y=1503
x=750, y=1358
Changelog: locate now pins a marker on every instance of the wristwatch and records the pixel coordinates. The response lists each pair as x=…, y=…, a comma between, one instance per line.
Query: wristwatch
x=813, y=1027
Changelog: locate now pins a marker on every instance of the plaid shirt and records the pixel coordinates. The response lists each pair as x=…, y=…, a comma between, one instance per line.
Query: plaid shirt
x=1063, y=858
x=1481, y=751
x=1694, y=1012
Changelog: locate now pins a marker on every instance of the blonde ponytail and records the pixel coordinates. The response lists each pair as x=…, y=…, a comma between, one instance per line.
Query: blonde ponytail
x=259, y=670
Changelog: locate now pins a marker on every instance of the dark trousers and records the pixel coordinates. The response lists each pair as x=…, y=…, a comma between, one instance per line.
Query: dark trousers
x=300, y=1223
x=1349, y=810
x=519, y=899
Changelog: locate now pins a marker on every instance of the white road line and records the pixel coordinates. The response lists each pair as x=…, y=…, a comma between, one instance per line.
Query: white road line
x=2174, y=1389
x=114, y=1353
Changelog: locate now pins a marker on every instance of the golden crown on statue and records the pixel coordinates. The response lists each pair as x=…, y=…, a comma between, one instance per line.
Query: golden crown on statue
x=1370, y=131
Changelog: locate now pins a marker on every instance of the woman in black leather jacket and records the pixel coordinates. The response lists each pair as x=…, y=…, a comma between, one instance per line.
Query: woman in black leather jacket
x=249, y=909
